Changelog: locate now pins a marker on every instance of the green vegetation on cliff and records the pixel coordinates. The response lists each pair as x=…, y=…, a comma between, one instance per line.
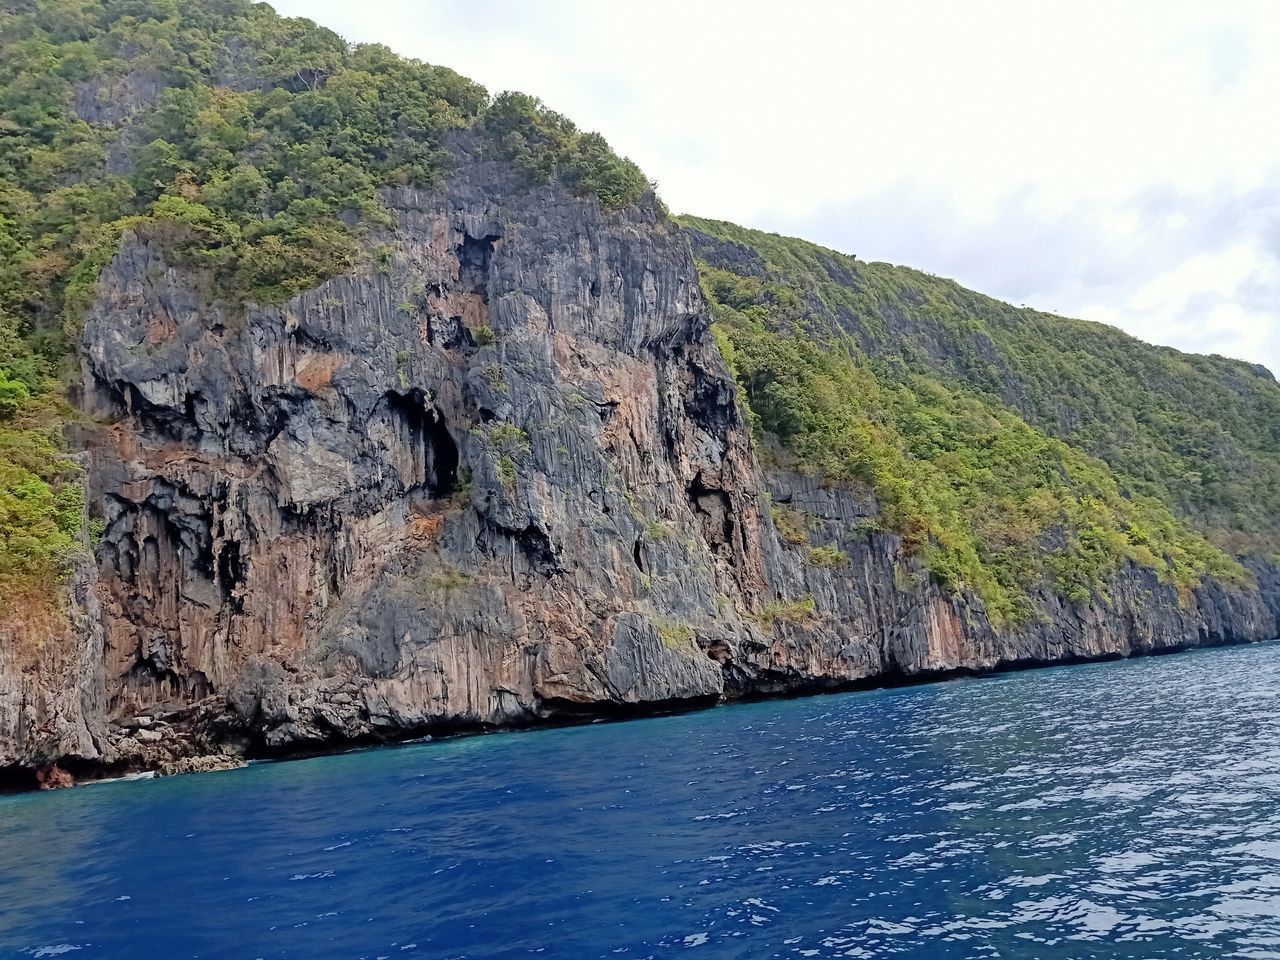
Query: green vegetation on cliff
x=254, y=147
x=1200, y=433
x=991, y=503
x=1013, y=450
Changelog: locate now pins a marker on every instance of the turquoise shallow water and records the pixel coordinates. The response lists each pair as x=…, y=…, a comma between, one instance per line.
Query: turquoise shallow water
x=1125, y=809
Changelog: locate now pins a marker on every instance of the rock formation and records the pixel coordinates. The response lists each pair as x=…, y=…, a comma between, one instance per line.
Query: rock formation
x=501, y=478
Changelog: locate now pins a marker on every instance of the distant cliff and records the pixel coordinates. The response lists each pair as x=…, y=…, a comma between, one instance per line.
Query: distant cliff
x=479, y=459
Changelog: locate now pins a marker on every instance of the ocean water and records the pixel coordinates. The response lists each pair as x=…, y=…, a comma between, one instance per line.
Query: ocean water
x=1127, y=809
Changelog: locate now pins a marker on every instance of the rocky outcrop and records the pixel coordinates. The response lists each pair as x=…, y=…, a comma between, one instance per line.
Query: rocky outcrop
x=498, y=476
x=52, y=687
x=896, y=624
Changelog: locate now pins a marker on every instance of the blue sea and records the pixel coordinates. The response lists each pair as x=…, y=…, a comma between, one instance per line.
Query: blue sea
x=1125, y=809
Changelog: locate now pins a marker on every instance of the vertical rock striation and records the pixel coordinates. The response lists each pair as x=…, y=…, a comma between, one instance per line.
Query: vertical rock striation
x=501, y=475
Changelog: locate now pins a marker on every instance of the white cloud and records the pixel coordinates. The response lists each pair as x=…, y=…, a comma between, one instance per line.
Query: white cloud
x=1111, y=161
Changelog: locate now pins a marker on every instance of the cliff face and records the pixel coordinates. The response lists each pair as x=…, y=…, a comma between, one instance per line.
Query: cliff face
x=502, y=477
x=1196, y=433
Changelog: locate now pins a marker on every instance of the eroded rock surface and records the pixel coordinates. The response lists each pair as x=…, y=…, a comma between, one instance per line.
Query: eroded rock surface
x=497, y=477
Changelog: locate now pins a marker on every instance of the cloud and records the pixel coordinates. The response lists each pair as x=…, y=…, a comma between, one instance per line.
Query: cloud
x=1110, y=161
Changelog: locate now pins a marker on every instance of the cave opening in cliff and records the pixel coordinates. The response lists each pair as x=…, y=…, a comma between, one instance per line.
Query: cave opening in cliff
x=118, y=399
x=474, y=256
x=539, y=550
x=231, y=574
x=432, y=450
x=442, y=475
x=711, y=404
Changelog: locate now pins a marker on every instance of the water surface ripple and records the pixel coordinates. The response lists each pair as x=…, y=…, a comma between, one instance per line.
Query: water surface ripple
x=1114, y=810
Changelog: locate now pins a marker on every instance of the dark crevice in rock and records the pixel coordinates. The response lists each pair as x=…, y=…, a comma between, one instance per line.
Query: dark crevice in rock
x=715, y=509
x=606, y=409
x=144, y=541
x=17, y=778
x=196, y=685
x=315, y=342
x=636, y=555
x=669, y=423
x=448, y=333
x=255, y=423
x=419, y=426
x=712, y=404
x=670, y=443
x=443, y=477
x=156, y=670
x=295, y=517
x=278, y=407
x=474, y=255
x=717, y=649
x=231, y=574
x=495, y=539
x=744, y=539
x=335, y=571
x=125, y=399
x=539, y=550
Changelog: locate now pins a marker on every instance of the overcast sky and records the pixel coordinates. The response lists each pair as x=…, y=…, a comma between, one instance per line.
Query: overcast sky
x=1113, y=161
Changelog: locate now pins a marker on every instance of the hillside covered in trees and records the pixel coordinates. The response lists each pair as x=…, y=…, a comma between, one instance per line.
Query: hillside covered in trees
x=252, y=145
x=1010, y=448
x=1200, y=432
x=343, y=401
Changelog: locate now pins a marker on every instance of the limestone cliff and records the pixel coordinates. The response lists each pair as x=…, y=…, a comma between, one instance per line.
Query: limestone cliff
x=500, y=478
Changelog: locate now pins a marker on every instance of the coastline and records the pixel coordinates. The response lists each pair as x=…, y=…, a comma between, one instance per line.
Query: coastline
x=89, y=774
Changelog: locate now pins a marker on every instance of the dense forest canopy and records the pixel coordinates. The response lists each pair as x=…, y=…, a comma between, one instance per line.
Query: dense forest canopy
x=1201, y=433
x=1014, y=450
x=253, y=146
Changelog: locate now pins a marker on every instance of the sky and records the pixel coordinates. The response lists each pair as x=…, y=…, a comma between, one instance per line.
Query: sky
x=1118, y=162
